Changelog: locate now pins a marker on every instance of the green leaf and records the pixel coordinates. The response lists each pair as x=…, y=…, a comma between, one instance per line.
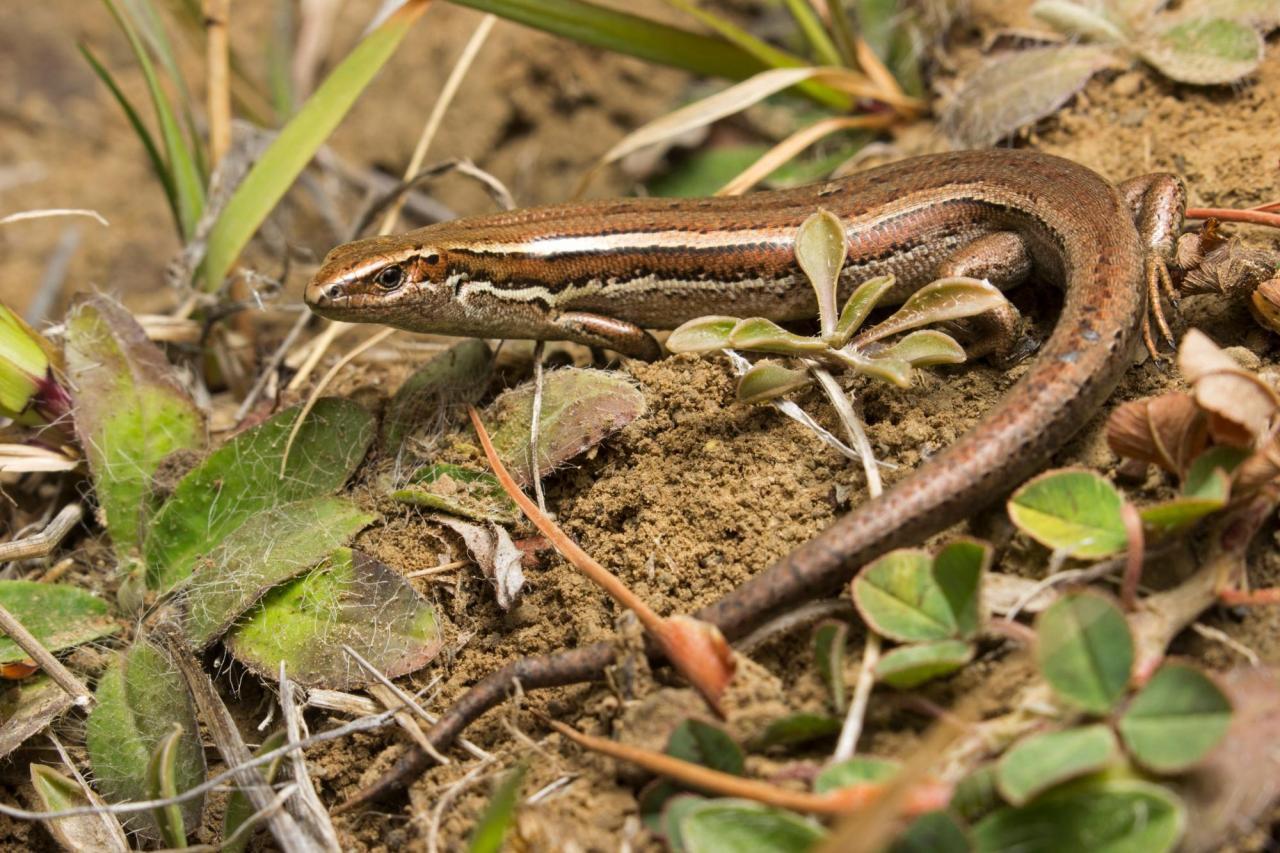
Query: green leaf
x=242, y=478
x=700, y=742
x=239, y=807
x=1075, y=19
x=88, y=832
x=140, y=698
x=1207, y=472
x=1203, y=51
x=858, y=770
x=1071, y=510
x=935, y=832
x=620, y=32
x=580, y=408
x=937, y=302
x=460, y=491
x=162, y=784
x=1037, y=763
x=270, y=548
x=1176, y=719
x=1011, y=91
x=703, y=334
x=859, y=306
x=909, y=597
x=1113, y=816
x=489, y=832
x=924, y=348
x=674, y=810
x=188, y=185
x=768, y=380
x=132, y=412
x=1178, y=514
x=307, y=620
x=815, y=32
x=58, y=615
x=829, y=640
x=821, y=247
x=976, y=795
x=798, y=728
x=458, y=375
x=910, y=666
x=743, y=826
x=273, y=174
x=761, y=335
x=892, y=370
x=1085, y=651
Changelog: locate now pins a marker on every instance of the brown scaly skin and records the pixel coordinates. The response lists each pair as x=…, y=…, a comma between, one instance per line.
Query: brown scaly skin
x=943, y=214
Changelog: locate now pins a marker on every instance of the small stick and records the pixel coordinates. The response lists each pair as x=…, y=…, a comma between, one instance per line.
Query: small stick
x=539, y=350
x=270, y=368
x=216, y=13
x=307, y=807
x=1253, y=217
x=437, y=570
x=43, y=543
x=847, y=745
x=409, y=705
x=921, y=798
x=696, y=649
x=64, y=678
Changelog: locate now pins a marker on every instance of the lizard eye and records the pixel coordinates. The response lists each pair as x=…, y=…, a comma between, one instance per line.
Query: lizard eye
x=432, y=259
x=391, y=277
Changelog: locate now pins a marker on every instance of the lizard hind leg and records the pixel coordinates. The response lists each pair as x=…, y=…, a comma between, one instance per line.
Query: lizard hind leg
x=1157, y=202
x=1003, y=260
x=608, y=332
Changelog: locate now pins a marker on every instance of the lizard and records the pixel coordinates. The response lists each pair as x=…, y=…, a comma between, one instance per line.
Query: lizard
x=601, y=272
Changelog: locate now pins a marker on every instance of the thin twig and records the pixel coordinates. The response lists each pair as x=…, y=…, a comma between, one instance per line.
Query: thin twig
x=269, y=369
x=308, y=808
x=43, y=543
x=50, y=212
x=845, y=408
x=216, y=13
x=535, y=418
x=851, y=730
x=447, y=93
x=438, y=570
x=409, y=703
x=447, y=798
x=362, y=724
x=1253, y=217
x=64, y=678
x=109, y=822
x=806, y=614
x=922, y=798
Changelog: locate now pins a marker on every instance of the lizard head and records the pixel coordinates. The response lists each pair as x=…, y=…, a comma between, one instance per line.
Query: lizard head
x=401, y=281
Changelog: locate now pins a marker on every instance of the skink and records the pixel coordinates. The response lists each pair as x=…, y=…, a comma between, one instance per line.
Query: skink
x=600, y=272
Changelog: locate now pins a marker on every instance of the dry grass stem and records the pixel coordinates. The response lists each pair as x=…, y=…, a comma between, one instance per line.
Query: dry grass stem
x=218, y=84
x=44, y=543
x=64, y=678
x=307, y=806
x=851, y=730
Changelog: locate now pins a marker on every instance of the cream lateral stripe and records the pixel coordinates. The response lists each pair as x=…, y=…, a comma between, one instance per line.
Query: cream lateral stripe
x=628, y=286
x=639, y=240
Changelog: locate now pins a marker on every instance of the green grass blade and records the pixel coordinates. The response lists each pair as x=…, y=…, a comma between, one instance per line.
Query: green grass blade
x=148, y=141
x=620, y=32
x=766, y=53
x=187, y=184
x=298, y=141
x=151, y=28
x=814, y=32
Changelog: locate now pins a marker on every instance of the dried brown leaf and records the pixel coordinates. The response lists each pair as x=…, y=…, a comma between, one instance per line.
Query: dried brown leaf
x=1240, y=403
x=1168, y=430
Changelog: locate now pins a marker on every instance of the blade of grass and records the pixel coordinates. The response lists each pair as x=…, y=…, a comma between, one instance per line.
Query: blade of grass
x=763, y=51
x=151, y=28
x=187, y=183
x=621, y=32
x=275, y=172
x=842, y=29
x=814, y=32
x=784, y=151
x=148, y=141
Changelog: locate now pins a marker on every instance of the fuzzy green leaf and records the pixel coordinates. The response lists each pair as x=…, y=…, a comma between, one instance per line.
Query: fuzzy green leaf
x=132, y=412
x=580, y=408
x=58, y=615
x=307, y=620
x=270, y=548
x=1084, y=649
x=460, y=491
x=458, y=375
x=242, y=478
x=1204, y=51
x=140, y=698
